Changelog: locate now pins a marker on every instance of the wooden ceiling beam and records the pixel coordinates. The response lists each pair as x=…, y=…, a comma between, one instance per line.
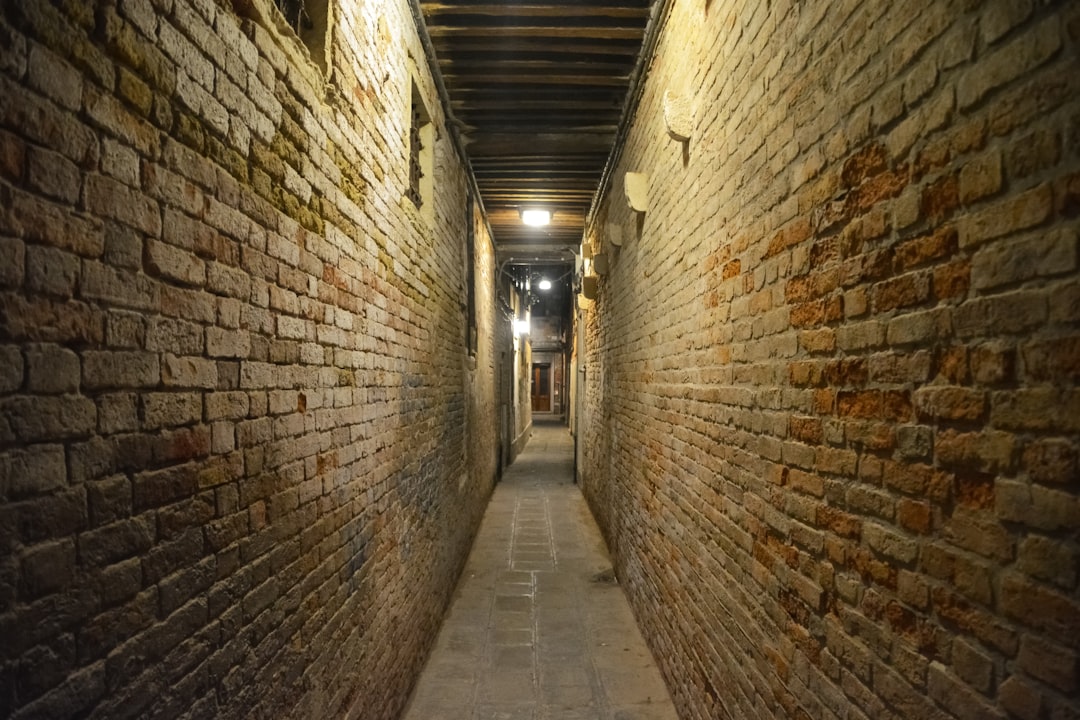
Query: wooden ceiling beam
x=432, y=9
x=583, y=104
x=537, y=32
x=520, y=80
x=540, y=143
x=535, y=66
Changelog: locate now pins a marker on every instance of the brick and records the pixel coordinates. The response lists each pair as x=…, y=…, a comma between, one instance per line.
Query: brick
x=165, y=261
x=1007, y=216
x=46, y=418
x=229, y=281
x=889, y=543
x=1039, y=607
x=116, y=541
x=992, y=363
x=46, y=124
x=1028, y=155
x=227, y=343
x=1049, y=662
x=158, y=487
x=12, y=262
x=170, y=409
x=52, y=271
x=926, y=249
x=188, y=372
x=47, y=320
x=959, y=699
x=51, y=369
x=41, y=221
x=980, y=178
x=123, y=247
x=54, y=78
x=1026, y=52
x=986, y=451
x=949, y=403
x=917, y=327
x=117, y=412
x=1042, y=558
x=32, y=470
x=1052, y=360
x=1012, y=312
x=124, y=329
x=113, y=199
x=173, y=335
x=1020, y=698
x=1050, y=461
x=973, y=665
x=1036, y=408
x=104, y=370
x=1002, y=18
x=226, y=405
x=48, y=568
x=118, y=287
x=11, y=368
x=1035, y=505
x=53, y=175
x=1018, y=260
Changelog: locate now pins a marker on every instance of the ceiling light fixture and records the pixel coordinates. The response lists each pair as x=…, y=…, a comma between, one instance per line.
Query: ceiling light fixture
x=536, y=218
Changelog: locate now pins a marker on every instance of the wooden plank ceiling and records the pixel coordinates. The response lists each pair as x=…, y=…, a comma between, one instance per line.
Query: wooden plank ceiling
x=538, y=90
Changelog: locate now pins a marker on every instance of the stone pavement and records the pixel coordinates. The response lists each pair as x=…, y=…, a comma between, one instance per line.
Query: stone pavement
x=537, y=629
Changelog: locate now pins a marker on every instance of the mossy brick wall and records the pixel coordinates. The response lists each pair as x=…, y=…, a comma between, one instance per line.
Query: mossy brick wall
x=242, y=451
x=832, y=417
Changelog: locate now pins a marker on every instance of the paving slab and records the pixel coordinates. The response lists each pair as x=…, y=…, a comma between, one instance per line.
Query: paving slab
x=539, y=628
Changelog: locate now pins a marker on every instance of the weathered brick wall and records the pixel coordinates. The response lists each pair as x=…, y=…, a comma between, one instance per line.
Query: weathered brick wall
x=242, y=450
x=832, y=417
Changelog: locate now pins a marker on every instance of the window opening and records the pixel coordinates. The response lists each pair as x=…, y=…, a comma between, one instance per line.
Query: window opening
x=416, y=147
x=310, y=20
x=421, y=145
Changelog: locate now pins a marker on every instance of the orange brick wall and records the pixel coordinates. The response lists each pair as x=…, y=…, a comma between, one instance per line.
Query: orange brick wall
x=832, y=420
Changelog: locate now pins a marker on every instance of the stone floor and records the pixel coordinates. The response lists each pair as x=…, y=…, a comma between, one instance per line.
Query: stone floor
x=537, y=629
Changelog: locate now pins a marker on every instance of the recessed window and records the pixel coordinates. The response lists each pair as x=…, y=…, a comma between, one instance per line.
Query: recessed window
x=310, y=19
x=421, y=155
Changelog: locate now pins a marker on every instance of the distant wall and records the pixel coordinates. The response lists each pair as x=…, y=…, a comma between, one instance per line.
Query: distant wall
x=831, y=417
x=242, y=449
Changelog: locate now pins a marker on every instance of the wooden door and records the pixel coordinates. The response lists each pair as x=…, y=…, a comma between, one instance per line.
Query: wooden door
x=541, y=388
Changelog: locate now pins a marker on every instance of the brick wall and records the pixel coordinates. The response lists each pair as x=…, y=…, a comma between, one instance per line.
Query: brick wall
x=832, y=419
x=242, y=449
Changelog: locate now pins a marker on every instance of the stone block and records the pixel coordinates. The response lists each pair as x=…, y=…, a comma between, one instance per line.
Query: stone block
x=52, y=369
x=222, y=343
x=172, y=263
x=51, y=271
x=188, y=372
x=104, y=370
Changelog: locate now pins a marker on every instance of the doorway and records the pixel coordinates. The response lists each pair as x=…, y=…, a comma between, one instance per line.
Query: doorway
x=541, y=387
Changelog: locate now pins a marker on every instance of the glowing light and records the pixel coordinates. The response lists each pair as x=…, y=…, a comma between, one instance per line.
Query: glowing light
x=521, y=327
x=536, y=218
x=545, y=285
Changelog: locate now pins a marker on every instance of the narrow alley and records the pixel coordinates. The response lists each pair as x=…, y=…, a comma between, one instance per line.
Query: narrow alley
x=538, y=628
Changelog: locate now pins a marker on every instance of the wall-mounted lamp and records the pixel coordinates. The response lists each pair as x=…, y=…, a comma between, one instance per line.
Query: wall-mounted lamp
x=536, y=218
x=521, y=327
x=545, y=284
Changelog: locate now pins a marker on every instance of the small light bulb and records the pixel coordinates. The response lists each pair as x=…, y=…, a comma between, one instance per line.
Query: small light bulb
x=545, y=285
